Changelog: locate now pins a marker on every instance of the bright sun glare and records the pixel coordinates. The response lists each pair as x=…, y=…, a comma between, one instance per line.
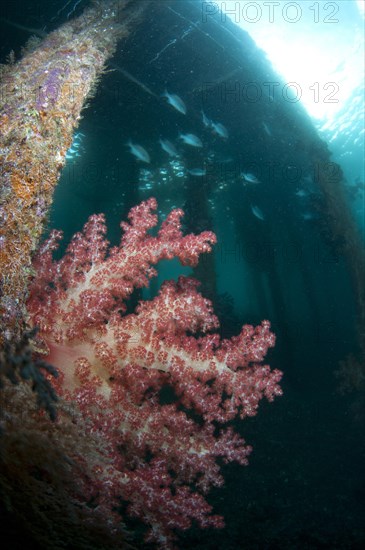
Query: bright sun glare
x=305, y=46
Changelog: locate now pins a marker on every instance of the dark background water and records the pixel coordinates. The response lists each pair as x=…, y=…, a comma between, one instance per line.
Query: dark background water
x=304, y=487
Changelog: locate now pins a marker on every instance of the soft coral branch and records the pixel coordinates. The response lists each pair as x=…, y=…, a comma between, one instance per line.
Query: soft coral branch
x=85, y=287
x=115, y=367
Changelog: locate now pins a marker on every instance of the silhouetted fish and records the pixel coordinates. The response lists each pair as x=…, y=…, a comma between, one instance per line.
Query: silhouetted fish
x=250, y=178
x=191, y=139
x=197, y=172
x=267, y=129
x=206, y=121
x=175, y=101
x=220, y=130
x=168, y=147
x=139, y=152
x=257, y=212
x=301, y=193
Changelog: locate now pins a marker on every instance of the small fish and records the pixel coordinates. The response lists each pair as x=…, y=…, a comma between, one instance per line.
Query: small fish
x=267, y=129
x=197, y=172
x=308, y=216
x=146, y=187
x=220, y=130
x=191, y=139
x=72, y=152
x=250, y=178
x=301, y=193
x=257, y=212
x=168, y=147
x=219, y=158
x=139, y=152
x=175, y=101
x=207, y=123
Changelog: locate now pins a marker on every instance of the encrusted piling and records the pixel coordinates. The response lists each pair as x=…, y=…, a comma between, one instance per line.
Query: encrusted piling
x=41, y=99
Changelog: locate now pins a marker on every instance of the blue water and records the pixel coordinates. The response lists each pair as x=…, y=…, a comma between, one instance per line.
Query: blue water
x=254, y=182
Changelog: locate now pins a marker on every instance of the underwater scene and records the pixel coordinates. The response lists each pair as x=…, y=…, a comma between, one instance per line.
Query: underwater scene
x=182, y=275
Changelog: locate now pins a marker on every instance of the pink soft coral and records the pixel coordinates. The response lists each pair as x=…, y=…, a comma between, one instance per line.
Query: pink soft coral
x=160, y=454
